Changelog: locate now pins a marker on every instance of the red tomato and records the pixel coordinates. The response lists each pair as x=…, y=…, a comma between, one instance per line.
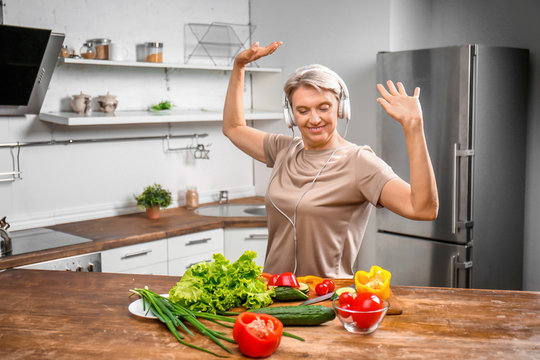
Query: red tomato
x=321, y=289
x=287, y=279
x=366, y=302
x=346, y=299
x=257, y=335
x=345, y=314
x=330, y=284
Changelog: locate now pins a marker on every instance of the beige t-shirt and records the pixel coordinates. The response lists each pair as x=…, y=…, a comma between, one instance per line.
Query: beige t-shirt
x=332, y=216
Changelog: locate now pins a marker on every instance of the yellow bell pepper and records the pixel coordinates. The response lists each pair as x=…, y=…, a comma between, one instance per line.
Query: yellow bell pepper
x=376, y=281
x=311, y=280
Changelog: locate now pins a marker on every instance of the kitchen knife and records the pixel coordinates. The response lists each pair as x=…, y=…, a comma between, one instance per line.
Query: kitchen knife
x=318, y=298
x=322, y=297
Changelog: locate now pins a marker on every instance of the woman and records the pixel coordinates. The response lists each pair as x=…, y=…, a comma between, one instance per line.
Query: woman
x=322, y=187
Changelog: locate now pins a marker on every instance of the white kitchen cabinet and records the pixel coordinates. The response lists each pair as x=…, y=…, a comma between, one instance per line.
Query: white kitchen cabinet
x=189, y=249
x=145, y=258
x=238, y=240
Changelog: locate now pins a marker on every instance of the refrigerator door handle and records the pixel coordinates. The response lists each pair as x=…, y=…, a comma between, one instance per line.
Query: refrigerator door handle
x=455, y=266
x=457, y=153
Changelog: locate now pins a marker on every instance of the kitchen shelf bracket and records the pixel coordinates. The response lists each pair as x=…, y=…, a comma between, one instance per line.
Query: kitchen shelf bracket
x=16, y=173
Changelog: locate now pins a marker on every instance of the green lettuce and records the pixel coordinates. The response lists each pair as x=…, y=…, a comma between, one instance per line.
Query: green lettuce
x=221, y=286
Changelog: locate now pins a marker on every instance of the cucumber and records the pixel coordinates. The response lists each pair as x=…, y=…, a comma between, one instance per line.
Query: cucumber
x=345, y=289
x=301, y=315
x=303, y=287
x=287, y=293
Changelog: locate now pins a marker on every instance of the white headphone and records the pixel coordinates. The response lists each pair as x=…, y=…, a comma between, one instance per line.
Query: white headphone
x=344, y=107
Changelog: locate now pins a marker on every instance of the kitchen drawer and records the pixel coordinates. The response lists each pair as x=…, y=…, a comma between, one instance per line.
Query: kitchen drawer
x=160, y=268
x=178, y=267
x=203, y=242
x=134, y=256
x=237, y=241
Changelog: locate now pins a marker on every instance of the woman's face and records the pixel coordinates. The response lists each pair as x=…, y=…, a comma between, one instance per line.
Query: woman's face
x=316, y=115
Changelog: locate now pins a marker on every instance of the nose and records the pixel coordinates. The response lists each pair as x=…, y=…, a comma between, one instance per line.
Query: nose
x=314, y=118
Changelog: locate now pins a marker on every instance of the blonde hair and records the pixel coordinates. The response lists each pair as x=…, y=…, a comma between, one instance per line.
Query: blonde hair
x=318, y=76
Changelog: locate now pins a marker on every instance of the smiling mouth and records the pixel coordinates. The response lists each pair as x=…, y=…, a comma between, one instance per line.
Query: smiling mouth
x=316, y=129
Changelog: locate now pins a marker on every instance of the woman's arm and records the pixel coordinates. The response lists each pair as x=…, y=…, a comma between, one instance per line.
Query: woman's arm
x=246, y=138
x=420, y=199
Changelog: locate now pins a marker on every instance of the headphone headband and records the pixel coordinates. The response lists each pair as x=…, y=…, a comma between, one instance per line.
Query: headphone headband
x=344, y=107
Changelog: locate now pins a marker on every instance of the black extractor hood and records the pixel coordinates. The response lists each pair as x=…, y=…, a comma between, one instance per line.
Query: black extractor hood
x=28, y=57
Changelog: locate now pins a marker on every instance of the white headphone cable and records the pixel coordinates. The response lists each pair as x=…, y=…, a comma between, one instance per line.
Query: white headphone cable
x=293, y=221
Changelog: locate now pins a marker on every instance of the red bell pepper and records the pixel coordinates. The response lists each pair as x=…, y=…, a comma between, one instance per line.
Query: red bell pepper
x=257, y=335
x=287, y=279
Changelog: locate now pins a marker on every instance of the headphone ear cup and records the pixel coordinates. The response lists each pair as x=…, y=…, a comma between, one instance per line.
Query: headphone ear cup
x=345, y=106
x=288, y=115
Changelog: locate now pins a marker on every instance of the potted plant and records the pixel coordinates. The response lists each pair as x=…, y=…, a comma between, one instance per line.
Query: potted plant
x=153, y=198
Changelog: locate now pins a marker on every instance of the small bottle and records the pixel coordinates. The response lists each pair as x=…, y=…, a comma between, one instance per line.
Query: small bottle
x=64, y=52
x=192, y=197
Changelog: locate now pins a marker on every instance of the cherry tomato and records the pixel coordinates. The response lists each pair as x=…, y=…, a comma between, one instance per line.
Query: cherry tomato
x=346, y=299
x=345, y=314
x=366, y=302
x=321, y=289
x=330, y=284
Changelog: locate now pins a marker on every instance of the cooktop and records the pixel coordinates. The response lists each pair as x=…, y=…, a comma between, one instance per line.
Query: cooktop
x=24, y=241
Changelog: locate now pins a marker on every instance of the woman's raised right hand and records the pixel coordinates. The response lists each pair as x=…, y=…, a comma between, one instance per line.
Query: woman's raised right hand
x=255, y=52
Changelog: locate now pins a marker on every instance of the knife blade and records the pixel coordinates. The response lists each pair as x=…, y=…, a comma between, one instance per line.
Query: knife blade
x=322, y=297
x=318, y=298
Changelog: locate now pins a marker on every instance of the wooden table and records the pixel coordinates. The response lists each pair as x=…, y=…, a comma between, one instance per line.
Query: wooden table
x=68, y=315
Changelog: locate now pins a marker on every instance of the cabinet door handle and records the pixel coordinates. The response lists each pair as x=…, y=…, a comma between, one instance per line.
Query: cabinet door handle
x=136, y=253
x=257, y=237
x=195, y=263
x=198, y=241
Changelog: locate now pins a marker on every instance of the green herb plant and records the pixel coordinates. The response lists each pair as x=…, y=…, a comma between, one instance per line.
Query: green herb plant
x=153, y=196
x=163, y=105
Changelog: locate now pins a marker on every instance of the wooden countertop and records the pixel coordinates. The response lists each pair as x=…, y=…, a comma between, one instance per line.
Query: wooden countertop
x=68, y=315
x=116, y=231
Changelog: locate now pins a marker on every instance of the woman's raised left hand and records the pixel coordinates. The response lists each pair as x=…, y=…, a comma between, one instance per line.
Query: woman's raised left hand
x=405, y=109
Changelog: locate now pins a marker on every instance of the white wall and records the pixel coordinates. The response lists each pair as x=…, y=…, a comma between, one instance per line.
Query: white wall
x=66, y=183
x=425, y=23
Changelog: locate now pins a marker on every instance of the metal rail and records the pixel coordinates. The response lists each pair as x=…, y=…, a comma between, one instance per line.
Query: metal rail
x=16, y=174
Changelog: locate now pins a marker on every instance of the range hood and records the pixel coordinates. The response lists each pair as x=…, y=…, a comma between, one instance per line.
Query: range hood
x=28, y=57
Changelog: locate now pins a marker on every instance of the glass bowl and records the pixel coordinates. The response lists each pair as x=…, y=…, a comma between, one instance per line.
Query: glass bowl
x=360, y=322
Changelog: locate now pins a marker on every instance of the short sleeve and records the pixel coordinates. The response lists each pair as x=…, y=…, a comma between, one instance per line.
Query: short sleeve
x=273, y=144
x=372, y=173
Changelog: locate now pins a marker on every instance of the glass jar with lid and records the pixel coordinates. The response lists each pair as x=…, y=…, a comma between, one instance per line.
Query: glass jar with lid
x=88, y=51
x=102, y=48
x=153, y=52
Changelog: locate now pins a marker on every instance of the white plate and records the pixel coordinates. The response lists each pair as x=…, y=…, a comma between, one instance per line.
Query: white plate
x=136, y=308
x=162, y=112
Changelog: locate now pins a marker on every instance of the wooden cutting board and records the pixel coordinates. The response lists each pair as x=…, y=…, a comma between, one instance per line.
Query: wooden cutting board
x=395, y=306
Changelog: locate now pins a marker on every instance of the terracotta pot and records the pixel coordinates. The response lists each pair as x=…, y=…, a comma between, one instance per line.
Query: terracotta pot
x=153, y=213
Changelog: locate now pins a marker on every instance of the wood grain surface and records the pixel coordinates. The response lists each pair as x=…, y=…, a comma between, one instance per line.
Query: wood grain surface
x=116, y=231
x=68, y=315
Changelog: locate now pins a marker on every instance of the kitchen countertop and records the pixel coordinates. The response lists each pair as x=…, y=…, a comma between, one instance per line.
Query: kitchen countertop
x=60, y=315
x=123, y=230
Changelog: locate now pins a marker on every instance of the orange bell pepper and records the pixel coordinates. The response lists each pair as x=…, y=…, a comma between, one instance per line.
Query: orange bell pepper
x=376, y=281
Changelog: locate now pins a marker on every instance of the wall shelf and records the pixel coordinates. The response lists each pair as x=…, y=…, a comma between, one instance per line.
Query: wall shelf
x=162, y=65
x=148, y=117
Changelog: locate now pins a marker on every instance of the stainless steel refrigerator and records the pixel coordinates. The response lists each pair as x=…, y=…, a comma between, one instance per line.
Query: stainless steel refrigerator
x=474, y=102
